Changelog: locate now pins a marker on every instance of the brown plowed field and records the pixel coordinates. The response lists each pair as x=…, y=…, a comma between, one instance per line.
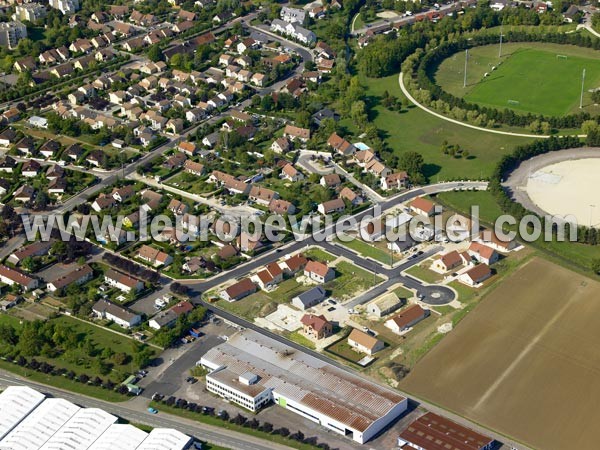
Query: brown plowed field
x=525, y=362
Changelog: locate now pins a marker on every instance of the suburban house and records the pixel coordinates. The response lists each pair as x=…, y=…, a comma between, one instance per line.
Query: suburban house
x=281, y=145
x=281, y=207
x=331, y=180
x=168, y=318
x=153, y=256
x=103, y=201
x=38, y=248
x=239, y=290
x=261, y=195
x=423, y=206
x=316, y=327
x=193, y=167
x=125, y=283
x=78, y=276
x=407, y=318
x=348, y=194
x=309, y=298
x=340, y=145
x=397, y=180
x=447, y=261
x=319, y=272
x=332, y=206
x=270, y=276
x=476, y=275
x=12, y=276
x=290, y=173
x=364, y=343
x=483, y=253
x=293, y=265
x=384, y=305
x=103, y=309
x=292, y=132
x=490, y=238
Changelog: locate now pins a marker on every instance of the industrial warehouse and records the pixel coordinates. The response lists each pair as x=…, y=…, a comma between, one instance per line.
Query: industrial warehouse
x=252, y=370
x=30, y=421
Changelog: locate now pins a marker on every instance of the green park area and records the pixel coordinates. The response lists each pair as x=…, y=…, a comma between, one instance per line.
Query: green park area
x=413, y=129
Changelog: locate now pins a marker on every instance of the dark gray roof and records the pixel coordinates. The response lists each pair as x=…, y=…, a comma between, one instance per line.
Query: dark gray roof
x=311, y=296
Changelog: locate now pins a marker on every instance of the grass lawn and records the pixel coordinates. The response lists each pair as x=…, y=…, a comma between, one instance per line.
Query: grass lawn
x=514, y=80
x=349, y=280
x=215, y=421
x=190, y=183
x=368, y=250
x=319, y=255
x=342, y=349
x=423, y=273
x=417, y=130
x=463, y=200
x=257, y=304
x=299, y=338
x=402, y=292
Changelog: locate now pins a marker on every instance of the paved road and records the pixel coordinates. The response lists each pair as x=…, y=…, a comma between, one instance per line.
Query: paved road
x=402, y=21
x=135, y=411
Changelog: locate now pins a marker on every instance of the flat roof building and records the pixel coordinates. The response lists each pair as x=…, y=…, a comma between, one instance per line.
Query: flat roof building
x=16, y=402
x=332, y=397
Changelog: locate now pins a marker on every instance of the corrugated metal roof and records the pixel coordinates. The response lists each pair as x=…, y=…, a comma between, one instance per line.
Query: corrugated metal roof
x=81, y=430
x=16, y=402
x=40, y=425
x=165, y=439
x=119, y=437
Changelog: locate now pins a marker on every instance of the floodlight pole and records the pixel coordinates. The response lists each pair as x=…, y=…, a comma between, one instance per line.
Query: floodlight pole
x=582, y=82
x=466, y=60
x=501, y=34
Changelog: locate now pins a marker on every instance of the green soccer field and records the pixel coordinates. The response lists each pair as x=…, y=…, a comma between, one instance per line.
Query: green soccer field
x=531, y=77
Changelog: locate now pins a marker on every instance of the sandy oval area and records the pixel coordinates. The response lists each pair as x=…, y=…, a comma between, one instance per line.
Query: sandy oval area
x=568, y=188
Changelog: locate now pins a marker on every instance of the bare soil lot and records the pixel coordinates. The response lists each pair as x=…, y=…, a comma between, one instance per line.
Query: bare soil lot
x=525, y=362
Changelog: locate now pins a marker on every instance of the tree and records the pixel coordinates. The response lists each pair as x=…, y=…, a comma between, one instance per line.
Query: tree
x=8, y=335
x=412, y=163
x=596, y=265
x=358, y=112
x=155, y=53
x=59, y=249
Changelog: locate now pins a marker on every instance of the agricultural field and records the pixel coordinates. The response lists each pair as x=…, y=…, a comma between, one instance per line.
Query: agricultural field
x=525, y=361
x=553, y=88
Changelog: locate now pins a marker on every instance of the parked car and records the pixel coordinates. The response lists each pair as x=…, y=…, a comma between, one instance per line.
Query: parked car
x=152, y=410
